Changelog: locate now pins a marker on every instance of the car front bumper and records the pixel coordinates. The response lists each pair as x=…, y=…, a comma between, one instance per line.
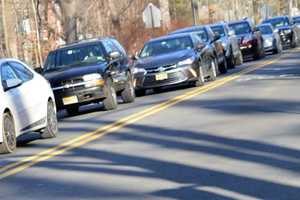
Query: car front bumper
x=172, y=77
x=78, y=96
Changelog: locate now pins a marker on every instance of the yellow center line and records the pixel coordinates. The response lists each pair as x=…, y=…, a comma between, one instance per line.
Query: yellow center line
x=17, y=167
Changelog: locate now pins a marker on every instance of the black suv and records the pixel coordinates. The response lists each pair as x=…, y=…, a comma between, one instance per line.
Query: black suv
x=289, y=33
x=250, y=38
x=89, y=71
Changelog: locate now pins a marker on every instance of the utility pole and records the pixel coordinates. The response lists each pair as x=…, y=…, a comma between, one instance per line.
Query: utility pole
x=38, y=41
x=193, y=11
x=4, y=22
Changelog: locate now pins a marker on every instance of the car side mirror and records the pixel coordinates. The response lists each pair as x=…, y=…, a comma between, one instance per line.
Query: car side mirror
x=200, y=46
x=39, y=70
x=10, y=84
x=114, y=55
x=135, y=56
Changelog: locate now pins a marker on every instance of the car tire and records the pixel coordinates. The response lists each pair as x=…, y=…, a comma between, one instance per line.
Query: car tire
x=140, y=92
x=128, y=94
x=213, y=71
x=51, y=129
x=200, y=79
x=72, y=110
x=9, y=143
x=230, y=61
x=111, y=100
x=239, y=60
x=257, y=54
x=223, y=66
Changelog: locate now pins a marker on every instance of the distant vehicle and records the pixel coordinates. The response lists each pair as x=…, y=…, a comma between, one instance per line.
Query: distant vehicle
x=172, y=60
x=289, y=32
x=27, y=104
x=230, y=43
x=296, y=21
x=250, y=38
x=211, y=40
x=272, y=42
x=90, y=71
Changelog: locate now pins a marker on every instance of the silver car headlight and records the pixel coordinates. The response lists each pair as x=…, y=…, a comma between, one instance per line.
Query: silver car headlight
x=138, y=70
x=188, y=61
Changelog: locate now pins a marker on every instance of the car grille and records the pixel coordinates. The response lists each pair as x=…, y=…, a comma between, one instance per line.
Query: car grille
x=161, y=68
x=173, y=77
x=71, y=82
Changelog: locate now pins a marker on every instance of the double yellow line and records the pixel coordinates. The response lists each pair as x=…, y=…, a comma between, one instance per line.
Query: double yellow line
x=17, y=167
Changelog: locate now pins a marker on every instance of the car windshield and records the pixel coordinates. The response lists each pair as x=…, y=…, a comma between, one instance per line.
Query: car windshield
x=265, y=30
x=219, y=29
x=166, y=46
x=240, y=28
x=78, y=56
x=278, y=22
x=202, y=34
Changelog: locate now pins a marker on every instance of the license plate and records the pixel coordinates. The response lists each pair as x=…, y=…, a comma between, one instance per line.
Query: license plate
x=161, y=76
x=70, y=100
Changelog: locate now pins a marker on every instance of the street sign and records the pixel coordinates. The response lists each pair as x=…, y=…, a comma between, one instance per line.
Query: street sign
x=152, y=16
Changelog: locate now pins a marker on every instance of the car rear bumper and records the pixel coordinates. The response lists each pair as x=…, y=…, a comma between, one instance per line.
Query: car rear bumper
x=175, y=76
x=248, y=50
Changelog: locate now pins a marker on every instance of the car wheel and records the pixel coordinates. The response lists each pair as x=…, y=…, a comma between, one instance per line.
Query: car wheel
x=239, y=60
x=257, y=54
x=140, y=92
x=223, y=66
x=9, y=143
x=230, y=61
x=200, y=79
x=72, y=110
x=213, y=71
x=51, y=129
x=111, y=100
x=128, y=94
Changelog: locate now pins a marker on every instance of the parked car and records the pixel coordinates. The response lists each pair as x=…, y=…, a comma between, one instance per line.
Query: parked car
x=211, y=40
x=230, y=44
x=172, y=60
x=289, y=32
x=296, y=21
x=272, y=42
x=27, y=104
x=90, y=71
x=250, y=38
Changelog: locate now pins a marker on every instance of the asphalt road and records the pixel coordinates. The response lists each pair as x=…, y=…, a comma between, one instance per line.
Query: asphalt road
x=236, y=138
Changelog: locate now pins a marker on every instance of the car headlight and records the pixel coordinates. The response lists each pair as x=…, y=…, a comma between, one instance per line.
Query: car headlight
x=138, y=70
x=224, y=44
x=188, y=61
x=91, y=77
x=287, y=31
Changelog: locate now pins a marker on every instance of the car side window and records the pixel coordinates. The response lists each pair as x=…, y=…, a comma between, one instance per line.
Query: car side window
x=22, y=72
x=119, y=46
x=7, y=73
x=108, y=46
